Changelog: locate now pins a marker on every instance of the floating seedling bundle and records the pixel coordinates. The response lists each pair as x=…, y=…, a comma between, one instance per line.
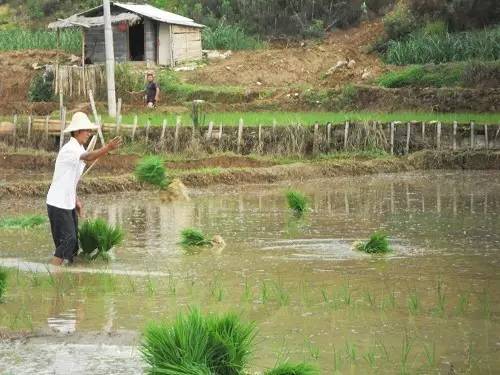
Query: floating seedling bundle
x=191, y=237
x=297, y=202
x=293, y=369
x=22, y=222
x=97, y=238
x=151, y=169
x=376, y=244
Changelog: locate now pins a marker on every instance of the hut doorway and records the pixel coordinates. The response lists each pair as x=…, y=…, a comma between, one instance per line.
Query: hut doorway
x=136, y=42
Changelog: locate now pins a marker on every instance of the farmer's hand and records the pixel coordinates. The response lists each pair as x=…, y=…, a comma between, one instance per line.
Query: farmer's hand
x=79, y=207
x=114, y=143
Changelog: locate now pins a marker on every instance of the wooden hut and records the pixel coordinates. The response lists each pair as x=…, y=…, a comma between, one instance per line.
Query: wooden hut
x=140, y=33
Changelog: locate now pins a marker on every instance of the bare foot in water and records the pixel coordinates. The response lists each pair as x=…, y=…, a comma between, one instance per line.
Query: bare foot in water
x=56, y=261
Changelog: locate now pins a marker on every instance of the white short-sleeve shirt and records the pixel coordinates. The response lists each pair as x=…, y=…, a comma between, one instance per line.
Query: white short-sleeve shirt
x=67, y=172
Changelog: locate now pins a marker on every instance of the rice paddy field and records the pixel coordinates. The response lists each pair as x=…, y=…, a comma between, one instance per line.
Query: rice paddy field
x=430, y=306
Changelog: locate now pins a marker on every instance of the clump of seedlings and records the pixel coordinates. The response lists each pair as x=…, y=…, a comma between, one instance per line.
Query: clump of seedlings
x=3, y=283
x=198, y=344
x=376, y=244
x=151, y=169
x=97, y=238
x=22, y=222
x=193, y=238
x=293, y=369
x=297, y=202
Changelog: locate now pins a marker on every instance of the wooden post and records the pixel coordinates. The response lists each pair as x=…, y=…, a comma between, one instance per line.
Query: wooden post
x=486, y=140
x=176, y=134
x=423, y=132
x=118, y=115
x=148, y=124
x=260, y=138
x=210, y=129
x=455, y=136
x=472, y=140
x=220, y=135
x=96, y=117
x=438, y=136
x=134, y=128
x=163, y=129
x=346, y=134
x=63, y=125
x=240, y=135
x=30, y=120
x=392, y=137
x=408, y=134
x=315, y=138
x=329, y=135
x=47, y=118
x=83, y=61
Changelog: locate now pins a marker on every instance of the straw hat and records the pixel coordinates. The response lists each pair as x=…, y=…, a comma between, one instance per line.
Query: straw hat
x=80, y=121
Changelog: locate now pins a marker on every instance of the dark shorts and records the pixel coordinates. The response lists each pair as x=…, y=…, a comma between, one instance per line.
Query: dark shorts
x=64, y=227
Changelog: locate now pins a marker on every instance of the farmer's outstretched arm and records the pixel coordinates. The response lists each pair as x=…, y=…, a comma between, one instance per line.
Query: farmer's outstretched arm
x=93, y=155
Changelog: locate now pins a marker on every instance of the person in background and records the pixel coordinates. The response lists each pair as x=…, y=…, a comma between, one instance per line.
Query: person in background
x=152, y=91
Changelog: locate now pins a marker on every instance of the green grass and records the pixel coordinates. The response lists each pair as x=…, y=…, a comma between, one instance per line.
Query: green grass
x=197, y=344
x=21, y=39
x=3, y=282
x=193, y=237
x=443, y=75
x=376, y=244
x=309, y=118
x=98, y=237
x=297, y=202
x=22, y=222
x=293, y=369
x=229, y=37
x=151, y=169
x=421, y=48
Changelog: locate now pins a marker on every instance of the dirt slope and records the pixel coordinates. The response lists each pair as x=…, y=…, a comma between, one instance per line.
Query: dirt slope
x=298, y=66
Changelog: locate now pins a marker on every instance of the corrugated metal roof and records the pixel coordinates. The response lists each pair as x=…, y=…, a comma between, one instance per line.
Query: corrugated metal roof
x=87, y=22
x=157, y=14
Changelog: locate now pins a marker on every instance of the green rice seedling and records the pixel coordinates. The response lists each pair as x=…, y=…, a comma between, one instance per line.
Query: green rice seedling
x=282, y=295
x=191, y=237
x=377, y=244
x=131, y=284
x=247, y=291
x=463, y=303
x=383, y=350
x=370, y=358
x=346, y=295
x=337, y=360
x=314, y=351
x=350, y=351
x=430, y=354
x=297, y=202
x=413, y=302
x=484, y=298
x=264, y=292
x=22, y=222
x=405, y=352
x=197, y=344
x=151, y=169
x=370, y=298
x=441, y=300
x=98, y=237
x=288, y=368
x=150, y=286
x=3, y=283
x=172, y=285
x=217, y=289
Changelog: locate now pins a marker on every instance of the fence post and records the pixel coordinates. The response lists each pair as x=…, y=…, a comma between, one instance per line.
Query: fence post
x=63, y=125
x=30, y=120
x=438, y=135
x=260, y=138
x=315, y=138
x=423, y=132
x=148, y=124
x=329, y=135
x=134, y=128
x=220, y=135
x=14, y=133
x=486, y=140
x=472, y=140
x=408, y=133
x=455, y=136
x=47, y=118
x=118, y=115
x=392, y=137
x=240, y=135
x=346, y=134
x=210, y=129
x=176, y=134
x=163, y=129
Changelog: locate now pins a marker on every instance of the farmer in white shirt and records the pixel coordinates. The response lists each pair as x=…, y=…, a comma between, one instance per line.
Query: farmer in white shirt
x=63, y=205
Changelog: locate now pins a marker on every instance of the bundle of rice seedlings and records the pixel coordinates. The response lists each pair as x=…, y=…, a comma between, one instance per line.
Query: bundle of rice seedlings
x=3, y=282
x=197, y=344
x=194, y=237
x=293, y=369
x=28, y=221
x=98, y=237
x=377, y=244
x=296, y=201
x=151, y=169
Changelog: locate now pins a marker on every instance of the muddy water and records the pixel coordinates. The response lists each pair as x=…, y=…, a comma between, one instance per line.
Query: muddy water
x=312, y=296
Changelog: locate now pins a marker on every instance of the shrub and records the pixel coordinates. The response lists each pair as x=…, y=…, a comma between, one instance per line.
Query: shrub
x=40, y=89
x=3, y=282
x=400, y=21
x=296, y=201
x=424, y=76
x=377, y=244
x=293, y=369
x=98, y=237
x=151, y=169
x=193, y=237
x=197, y=344
x=229, y=37
x=316, y=29
x=28, y=221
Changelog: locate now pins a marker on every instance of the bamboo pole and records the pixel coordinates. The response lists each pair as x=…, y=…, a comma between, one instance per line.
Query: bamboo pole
x=315, y=138
x=210, y=129
x=346, y=134
x=472, y=136
x=392, y=137
x=176, y=134
x=240, y=135
x=134, y=127
x=63, y=125
x=486, y=140
x=408, y=135
x=260, y=138
x=220, y=135
x=329, y=135
x=47, y=118
x=455, y=136
x=163, y=129
x=423, y=132
x=438, y=135
x=148, y=124
x=118, y=115
x=30, y=120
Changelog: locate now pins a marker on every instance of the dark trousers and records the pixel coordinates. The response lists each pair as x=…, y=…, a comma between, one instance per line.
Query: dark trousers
x=64, y=227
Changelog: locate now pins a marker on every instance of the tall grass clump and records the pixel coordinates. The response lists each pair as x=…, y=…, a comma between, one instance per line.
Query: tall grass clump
x=21, y=39
x=3, y=282
x=229, y=37
x=376, y=244
x=22, y=222
x=198, y=344
x=97, y=238
x=293, y=369
x=194, y=237
x=151, y=169
x=421, y=48
x=297, y=202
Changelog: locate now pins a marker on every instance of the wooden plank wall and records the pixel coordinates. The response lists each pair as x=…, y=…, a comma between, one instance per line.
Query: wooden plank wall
x=187, y=43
